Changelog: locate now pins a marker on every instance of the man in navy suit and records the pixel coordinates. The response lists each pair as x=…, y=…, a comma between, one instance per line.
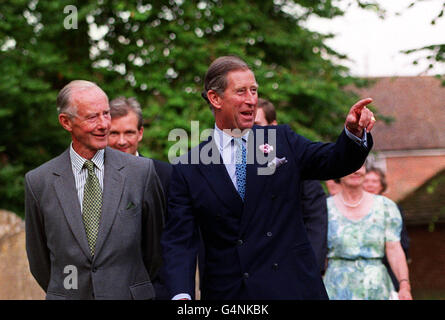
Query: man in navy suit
x=248, y=210
x=312, y=197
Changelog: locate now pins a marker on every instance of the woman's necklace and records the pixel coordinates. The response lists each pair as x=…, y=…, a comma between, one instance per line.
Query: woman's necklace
x=354, y=205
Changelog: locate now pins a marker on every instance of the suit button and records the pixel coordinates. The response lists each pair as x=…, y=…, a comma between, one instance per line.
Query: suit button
x=246, y=275
x=275, y=266
x=240, y=242
x=94, y=269
x=273, y=196
x=269, y=234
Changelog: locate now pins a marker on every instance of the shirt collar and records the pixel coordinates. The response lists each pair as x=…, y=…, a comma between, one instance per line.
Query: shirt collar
x=223, y=140
x=78, y=161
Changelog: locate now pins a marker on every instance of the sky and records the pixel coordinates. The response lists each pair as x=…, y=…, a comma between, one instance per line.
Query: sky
x=373, y=45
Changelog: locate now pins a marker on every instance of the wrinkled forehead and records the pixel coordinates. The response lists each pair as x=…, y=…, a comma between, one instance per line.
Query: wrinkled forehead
x=241, y=77
x=130, y=120
x=93, y=96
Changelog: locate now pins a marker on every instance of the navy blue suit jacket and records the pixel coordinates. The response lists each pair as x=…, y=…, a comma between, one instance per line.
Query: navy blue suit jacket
x=164, y=171
x=256, y=249
x=315, y=218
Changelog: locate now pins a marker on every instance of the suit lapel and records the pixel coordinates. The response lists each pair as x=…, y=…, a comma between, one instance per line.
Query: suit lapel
x=65, y=187
x=219, y=180
x=113, y=188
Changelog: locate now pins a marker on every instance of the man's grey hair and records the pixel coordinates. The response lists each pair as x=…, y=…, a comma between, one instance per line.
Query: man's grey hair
x=120, y=107
x=216, y=76
x=63, y=103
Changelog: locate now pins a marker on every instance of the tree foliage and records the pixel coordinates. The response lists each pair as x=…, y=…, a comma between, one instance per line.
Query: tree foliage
x=159, y=51
x=433, y=53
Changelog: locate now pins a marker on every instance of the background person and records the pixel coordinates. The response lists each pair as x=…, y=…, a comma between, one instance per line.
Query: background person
x=375, y=182
x=312, y=195
x=362, y=227
x=333, y=187
x=256, y=246
x=126, y=131
x=94, y=209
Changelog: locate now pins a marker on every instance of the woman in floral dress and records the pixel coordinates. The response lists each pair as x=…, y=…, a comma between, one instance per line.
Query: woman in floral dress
x=361, y=228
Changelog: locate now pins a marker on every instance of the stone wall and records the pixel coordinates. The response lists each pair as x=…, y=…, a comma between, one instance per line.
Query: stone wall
x=16, y=281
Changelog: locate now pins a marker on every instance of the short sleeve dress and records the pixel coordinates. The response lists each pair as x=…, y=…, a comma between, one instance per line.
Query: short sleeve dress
x=355, y=251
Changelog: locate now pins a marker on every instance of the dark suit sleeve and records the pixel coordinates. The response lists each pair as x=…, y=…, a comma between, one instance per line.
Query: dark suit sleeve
x=36, y=248
x=164, y=172
x=315, y=217
x=179, y=240
x=153, y=222
x=324, y=161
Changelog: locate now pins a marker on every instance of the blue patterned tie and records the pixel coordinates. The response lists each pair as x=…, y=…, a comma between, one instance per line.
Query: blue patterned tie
x=240, y=170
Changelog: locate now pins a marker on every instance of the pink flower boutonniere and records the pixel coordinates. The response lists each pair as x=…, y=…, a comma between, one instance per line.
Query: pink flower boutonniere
x=266, y=148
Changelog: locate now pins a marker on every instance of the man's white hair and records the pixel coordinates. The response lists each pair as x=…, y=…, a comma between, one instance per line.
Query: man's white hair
x=64, y=97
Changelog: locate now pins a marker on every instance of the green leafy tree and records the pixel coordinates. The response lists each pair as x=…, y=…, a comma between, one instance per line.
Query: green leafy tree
x=433, y=53
x=159, y=51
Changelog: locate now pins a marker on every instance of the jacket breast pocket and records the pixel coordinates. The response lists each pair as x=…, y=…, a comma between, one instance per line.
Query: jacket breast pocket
x=142, y=291
x=282, y=180
x=130, y=213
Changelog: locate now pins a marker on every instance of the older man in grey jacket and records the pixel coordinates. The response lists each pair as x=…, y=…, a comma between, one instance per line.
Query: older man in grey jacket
x=93, y=215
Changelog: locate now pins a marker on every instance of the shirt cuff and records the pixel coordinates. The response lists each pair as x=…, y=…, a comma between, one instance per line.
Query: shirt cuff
x=182, y=296
x=362, y=142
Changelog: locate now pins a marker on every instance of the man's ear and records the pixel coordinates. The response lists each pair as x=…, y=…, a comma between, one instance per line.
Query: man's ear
x=141, y=133
x=274, y=123
x=65, y=121
x=214, y=99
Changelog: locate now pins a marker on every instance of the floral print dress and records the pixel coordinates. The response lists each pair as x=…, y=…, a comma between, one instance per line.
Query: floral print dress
x=355, y=251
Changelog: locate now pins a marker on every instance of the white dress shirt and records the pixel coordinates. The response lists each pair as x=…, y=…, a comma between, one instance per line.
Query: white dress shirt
x=227, y=148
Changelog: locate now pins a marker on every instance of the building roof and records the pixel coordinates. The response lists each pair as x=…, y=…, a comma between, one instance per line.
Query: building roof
x=417, y=105
x=426, y=204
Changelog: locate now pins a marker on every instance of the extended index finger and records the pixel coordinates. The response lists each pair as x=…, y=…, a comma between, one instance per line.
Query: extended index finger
x=361, y=104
